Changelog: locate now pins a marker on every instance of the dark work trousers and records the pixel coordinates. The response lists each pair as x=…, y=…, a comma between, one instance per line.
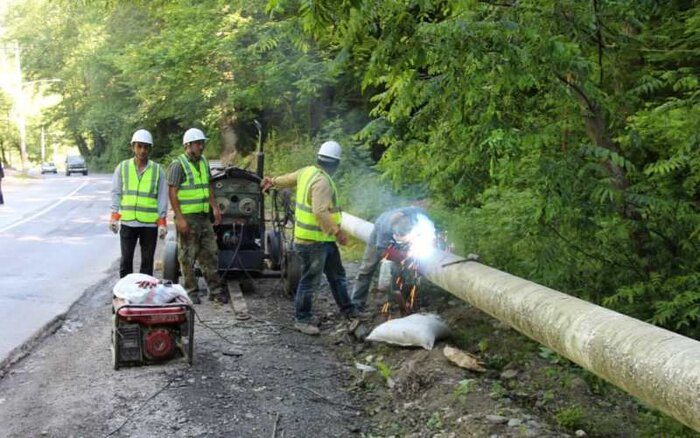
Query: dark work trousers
x=147, y=238
x=316, y=259
x=2, y=200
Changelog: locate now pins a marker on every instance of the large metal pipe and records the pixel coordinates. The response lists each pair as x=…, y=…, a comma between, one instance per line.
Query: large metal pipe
x=658, y=366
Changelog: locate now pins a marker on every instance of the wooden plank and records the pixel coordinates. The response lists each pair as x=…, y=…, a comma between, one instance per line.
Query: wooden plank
x=240, y=308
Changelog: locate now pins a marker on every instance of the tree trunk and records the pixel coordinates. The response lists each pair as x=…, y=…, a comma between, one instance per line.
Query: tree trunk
x=99, y=144
x=229, y=140
x=596, y=129
x=82, y=145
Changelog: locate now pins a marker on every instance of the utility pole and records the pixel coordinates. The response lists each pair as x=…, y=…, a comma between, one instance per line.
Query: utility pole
x=43, y=145
x=21, y=111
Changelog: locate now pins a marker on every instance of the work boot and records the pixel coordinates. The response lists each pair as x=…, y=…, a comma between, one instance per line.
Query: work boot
x=351, y=314
x=307, y=329
x=363, y=314
x=221, y=298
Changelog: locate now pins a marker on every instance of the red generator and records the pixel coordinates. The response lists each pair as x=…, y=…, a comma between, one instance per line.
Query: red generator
x=145, y=334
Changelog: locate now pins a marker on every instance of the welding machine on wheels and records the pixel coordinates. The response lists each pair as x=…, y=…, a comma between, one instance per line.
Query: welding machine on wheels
x=151, y=333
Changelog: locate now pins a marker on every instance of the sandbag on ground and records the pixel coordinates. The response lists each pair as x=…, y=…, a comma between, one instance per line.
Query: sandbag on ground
x=417, y=330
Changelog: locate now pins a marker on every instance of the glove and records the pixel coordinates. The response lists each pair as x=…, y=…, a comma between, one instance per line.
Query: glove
x=266, y=184
x=114, y=222
x=162, y=232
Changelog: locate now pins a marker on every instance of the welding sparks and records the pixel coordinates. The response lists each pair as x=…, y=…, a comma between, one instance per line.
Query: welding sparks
x=421, y=238
x=412, y=299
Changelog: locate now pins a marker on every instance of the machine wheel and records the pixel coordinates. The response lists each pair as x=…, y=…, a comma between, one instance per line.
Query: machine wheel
x=171, y=267
x=291, y=273
x=273, y=250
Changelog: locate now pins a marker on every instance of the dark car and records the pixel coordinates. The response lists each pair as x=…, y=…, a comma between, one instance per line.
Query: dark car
x=76, y=164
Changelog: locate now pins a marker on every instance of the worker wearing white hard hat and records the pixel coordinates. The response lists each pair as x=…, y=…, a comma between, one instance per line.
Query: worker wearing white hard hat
x=191, y=194
x=139, y=204
x=316, y=234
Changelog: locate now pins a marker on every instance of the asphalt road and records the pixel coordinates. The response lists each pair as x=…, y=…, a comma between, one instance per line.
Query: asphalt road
x=54, y=244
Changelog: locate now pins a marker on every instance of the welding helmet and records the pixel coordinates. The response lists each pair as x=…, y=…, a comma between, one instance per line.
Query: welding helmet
x=142, y=136
x=329, y=150
x=193, y=134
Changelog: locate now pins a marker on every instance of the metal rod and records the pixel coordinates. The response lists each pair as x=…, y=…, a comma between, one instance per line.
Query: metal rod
x=656, y=365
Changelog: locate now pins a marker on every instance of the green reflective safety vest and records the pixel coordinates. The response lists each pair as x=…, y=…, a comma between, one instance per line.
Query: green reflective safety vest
x=193, y=193
x=139, y=197
x=306, y=226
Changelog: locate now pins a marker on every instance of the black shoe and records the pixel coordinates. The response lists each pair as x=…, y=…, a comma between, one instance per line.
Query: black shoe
x=221, y=298
x=352, y=314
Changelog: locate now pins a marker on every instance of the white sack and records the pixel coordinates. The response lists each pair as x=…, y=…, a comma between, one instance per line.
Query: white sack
x=417, y=330
x=153, y=292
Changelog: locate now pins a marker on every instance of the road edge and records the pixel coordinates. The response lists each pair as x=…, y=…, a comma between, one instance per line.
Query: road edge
x=20, y=352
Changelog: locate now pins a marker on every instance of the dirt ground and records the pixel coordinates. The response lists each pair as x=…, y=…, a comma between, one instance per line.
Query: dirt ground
x=260, y=378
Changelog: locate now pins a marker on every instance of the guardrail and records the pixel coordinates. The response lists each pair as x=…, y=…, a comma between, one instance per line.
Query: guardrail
x=655, y=365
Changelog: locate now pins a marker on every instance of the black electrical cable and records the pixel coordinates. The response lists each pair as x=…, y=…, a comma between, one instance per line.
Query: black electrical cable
x=137, y=411
x=235, y=251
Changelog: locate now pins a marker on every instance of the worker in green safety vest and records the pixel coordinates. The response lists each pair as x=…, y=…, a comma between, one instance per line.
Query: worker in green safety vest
x=316, y=232
x=192, y=197
x=139, y=204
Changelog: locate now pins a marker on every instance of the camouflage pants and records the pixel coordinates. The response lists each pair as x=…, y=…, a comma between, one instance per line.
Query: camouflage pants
x=199, y=245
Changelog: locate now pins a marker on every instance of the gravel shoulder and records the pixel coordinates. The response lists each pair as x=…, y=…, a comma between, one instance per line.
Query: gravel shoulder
x=249, y=378
x=261, y=378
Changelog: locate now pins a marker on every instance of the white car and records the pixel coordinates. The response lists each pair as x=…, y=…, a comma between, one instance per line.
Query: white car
x=48, y=167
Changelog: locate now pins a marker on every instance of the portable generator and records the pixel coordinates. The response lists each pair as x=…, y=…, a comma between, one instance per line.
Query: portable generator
x=147, y=334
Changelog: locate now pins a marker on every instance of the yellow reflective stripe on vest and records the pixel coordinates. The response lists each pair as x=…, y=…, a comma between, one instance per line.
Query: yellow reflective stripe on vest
x=306, y=225
x=139, y=197
x=193, y=193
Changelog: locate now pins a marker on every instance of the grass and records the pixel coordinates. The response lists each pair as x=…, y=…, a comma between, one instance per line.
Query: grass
x=570, y=417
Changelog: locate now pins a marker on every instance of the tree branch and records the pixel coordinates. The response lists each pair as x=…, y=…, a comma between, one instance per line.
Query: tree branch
x=599, y=38
x=589, y=104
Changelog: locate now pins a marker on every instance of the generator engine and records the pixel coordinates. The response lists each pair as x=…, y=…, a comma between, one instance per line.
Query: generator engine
x=146, y=334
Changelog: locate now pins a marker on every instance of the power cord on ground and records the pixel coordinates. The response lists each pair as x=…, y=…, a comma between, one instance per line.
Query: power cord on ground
x=136, y=411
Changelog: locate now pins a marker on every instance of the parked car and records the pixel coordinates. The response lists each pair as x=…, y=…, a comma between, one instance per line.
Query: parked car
x=48, y=167
x=76, y=164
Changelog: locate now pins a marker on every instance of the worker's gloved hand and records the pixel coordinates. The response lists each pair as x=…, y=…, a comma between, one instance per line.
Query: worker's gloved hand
x=162, y=232
x=266, y=184
x=114, y=222
x=341, y=237
x=114, y=226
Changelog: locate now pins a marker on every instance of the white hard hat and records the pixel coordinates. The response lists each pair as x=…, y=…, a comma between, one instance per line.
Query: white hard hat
x=142, y=136
x=330, y=149
x=193, y=134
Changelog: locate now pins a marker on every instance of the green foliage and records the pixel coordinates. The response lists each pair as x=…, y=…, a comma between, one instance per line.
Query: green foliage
x=676, y=301
x=654, y=424
x=464, y=388
x=570, y=417
x=483, y=345
x=557, y=139
x=435, y=421
x=384, y=370
x=549, y=355
x=497, y=390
